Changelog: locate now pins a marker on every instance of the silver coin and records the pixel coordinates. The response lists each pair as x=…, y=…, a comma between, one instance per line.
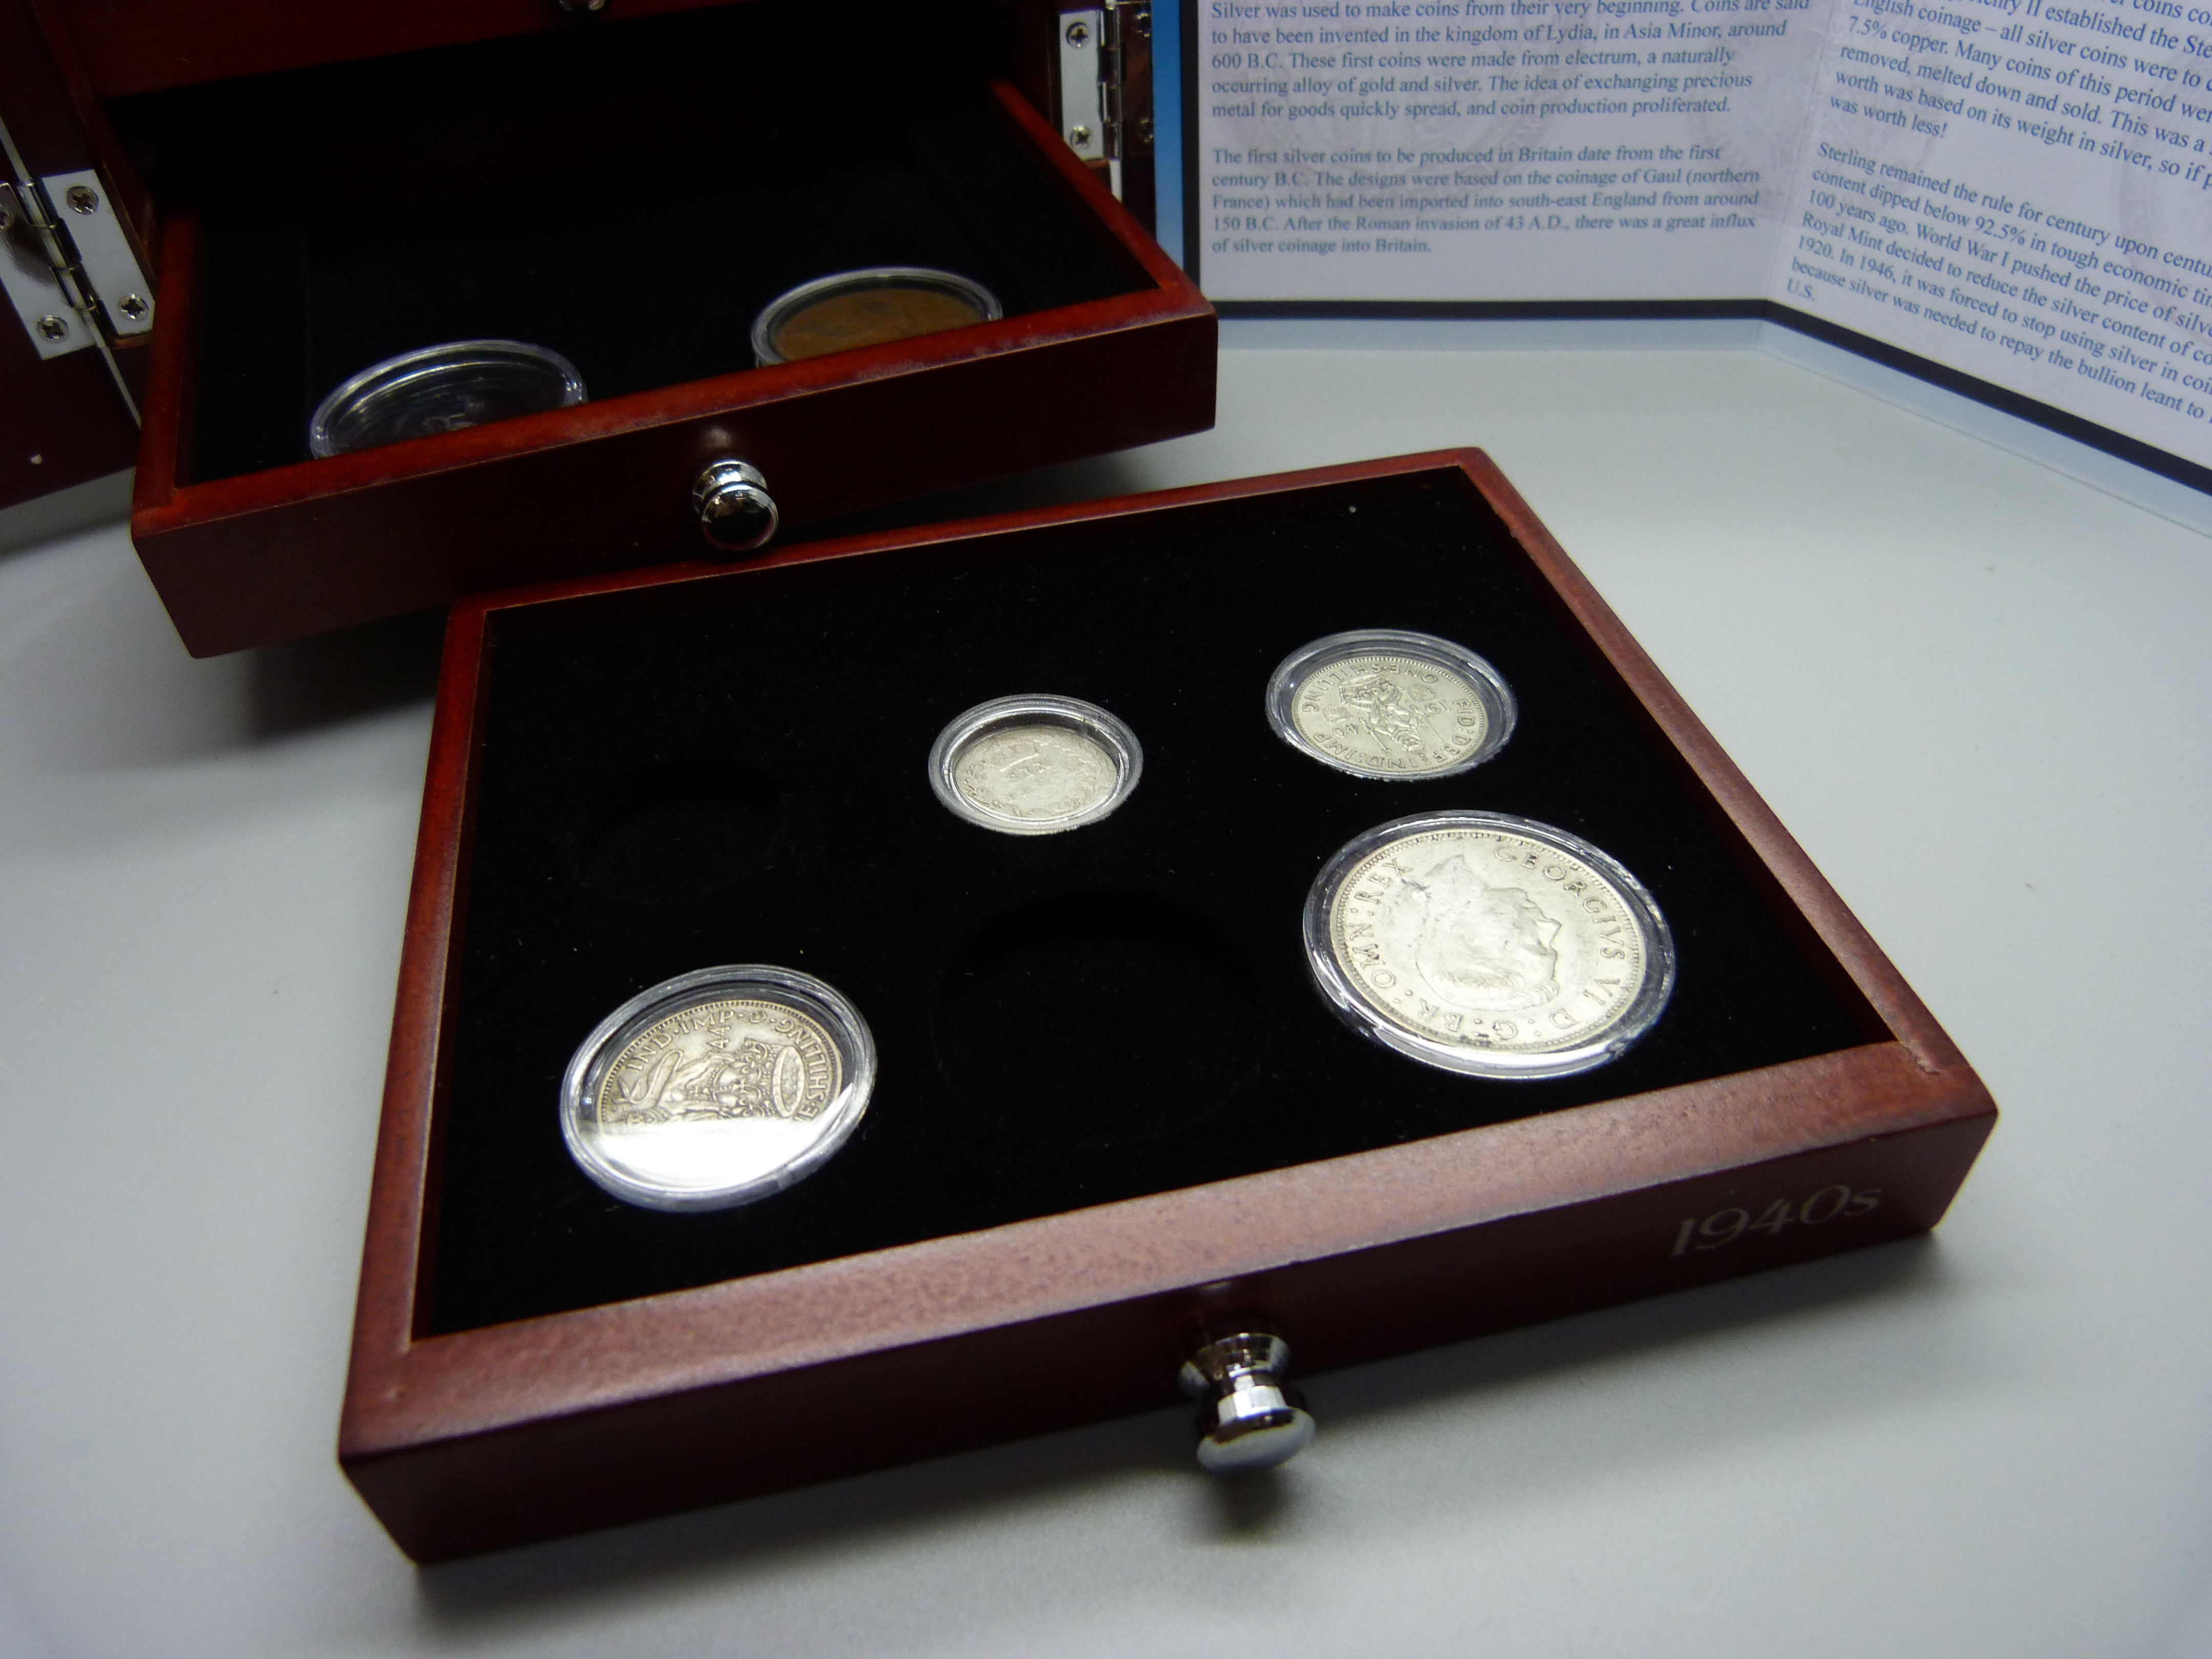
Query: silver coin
x=717, y=1088
x=1034, y=765
x=1489, y=945
x=442, y=388
x=1381, y=702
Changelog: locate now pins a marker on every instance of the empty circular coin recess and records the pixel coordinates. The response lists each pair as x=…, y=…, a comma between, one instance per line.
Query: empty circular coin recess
x=1034, y=765
x=1047, y=1021
x=717, y=1088
x=857, y=308
x=442, y=388
x=1379, y=703
x=665, y=836
x=1488, y=944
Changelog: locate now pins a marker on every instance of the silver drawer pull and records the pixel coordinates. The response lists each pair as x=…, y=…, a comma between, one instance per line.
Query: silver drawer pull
x=736, y=513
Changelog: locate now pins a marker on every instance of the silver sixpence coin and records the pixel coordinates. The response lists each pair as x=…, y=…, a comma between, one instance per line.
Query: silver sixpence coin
x=1379, y=703
x=1034, y=765
x=1489, y=945
x=717, y=1088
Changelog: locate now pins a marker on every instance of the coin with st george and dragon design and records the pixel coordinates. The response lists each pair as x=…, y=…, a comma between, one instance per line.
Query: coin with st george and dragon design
x=1380, y=703
x=717, y=1088
x=1489, y=945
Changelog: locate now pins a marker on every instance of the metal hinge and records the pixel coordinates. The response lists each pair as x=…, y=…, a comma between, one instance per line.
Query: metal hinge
x=1128, y=22
x=65, y=262
x=1094, y=51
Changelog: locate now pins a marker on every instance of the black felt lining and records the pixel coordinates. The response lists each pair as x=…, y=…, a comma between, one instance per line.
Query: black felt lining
x=753, y=148
x=747, y=783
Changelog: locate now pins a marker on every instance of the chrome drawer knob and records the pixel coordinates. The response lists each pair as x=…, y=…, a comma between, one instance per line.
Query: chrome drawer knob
x=1247, y=1418
x=736, y=513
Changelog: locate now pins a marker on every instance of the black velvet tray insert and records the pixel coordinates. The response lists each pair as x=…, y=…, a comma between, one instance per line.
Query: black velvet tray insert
x=738, y=776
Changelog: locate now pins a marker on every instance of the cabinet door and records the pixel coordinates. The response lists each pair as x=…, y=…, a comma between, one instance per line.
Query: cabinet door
x=62, y=421
x=64, y=418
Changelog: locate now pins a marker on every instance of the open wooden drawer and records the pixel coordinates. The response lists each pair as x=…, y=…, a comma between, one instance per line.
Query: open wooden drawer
x=628, y=192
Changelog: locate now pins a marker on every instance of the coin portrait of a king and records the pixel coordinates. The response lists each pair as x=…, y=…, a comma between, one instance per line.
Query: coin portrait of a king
x=1481, y=949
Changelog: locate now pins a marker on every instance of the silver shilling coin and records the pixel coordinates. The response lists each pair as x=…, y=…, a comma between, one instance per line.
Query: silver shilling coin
x=717, y=1088
x=1380, y=703
x=1034, y=765
x=1488, y=944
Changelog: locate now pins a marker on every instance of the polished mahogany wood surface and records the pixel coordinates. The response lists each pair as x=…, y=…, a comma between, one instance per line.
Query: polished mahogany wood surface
x=542, y=1426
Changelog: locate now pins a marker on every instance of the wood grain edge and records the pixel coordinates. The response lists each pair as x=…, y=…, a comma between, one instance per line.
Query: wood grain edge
x=164, y=421
x=593, y=1358
x=553, y=1476
x=400, y=1233
x=1877, y=979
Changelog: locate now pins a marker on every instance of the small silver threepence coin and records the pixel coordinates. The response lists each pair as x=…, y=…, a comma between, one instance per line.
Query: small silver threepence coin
x=1381, y=703
x=717, y=1088
x=1489, y=945
x=1035, y=773
x=1034, y=765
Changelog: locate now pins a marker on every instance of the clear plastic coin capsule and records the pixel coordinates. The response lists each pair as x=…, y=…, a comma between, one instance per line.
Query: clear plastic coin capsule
x=1488, y=944
x=1380, y=703
x=856, y=308
x=1034, y=765
x=442, y=388
x=717, y=1088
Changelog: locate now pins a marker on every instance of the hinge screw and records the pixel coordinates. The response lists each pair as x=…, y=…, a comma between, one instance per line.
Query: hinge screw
x=1078, y=137
x=1140, y=20
x=1078, y=34
x=81, y=199
x=131, y=306
x=52, y=327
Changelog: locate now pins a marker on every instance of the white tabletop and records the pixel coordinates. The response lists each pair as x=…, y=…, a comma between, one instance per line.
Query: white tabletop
x=1978, y=691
